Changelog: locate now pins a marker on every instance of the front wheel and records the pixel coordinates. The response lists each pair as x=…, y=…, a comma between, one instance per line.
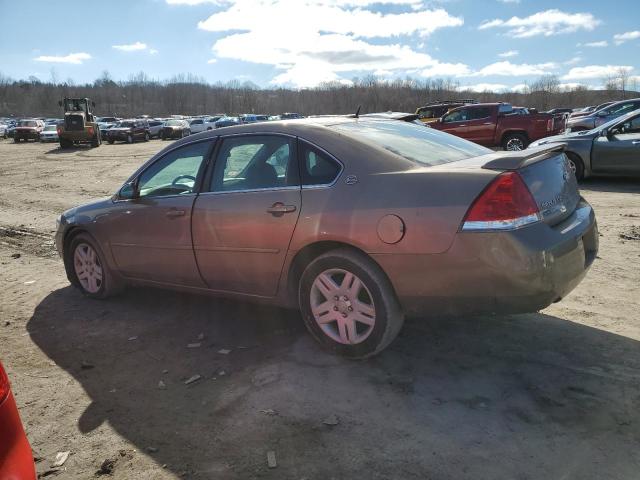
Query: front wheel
x=514, y=142
x=129, y=138
x=348, y=304
x=576, y=166
x=88, y=269
x=146, y=137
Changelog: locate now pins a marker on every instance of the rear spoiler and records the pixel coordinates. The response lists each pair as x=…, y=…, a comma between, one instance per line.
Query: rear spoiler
x=523, y=158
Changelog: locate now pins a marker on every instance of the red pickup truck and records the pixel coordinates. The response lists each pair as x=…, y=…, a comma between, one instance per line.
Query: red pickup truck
x=500, y=124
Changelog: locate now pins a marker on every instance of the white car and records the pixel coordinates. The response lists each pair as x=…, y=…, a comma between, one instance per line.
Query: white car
x=49, y=134
x=201, y=125
x=3, y=130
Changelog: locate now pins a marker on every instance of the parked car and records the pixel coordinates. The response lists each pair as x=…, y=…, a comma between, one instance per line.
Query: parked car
x=49, y=134
x=28, y=129
x=262, y=118
x=494, y=124
x=175, y=129
x=568, y=111
x=290, y=116
x=104, y=128
x=16, y=459
x=432, y=111
x=227, y=122
x=198, y=125
x=613, y=148
x=599, y=117
x=585, y=111
x=354, y=237
x=155, y=128
x=3, y=130
x=129, y=131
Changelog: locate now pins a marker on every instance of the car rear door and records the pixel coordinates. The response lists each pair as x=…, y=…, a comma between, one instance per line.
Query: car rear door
x=150, y=236
x=619, y=152
x=245, y=217
x=480, y=125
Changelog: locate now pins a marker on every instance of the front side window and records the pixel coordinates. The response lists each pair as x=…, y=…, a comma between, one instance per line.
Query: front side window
x=457, y=116
x=255, y=162
x=174, y=174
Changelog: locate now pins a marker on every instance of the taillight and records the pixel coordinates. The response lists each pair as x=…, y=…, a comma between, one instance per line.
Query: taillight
x=505, y=204
x=59, y=130
x=4, y=384
x=90, y=130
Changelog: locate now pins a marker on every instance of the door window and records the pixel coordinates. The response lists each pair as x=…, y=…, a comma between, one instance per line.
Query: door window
x=457, y=116
x=174, y=174
x=316, y=167
x=255, y=162
x=479, y=113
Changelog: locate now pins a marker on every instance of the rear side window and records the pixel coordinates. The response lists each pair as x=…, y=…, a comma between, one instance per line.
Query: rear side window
x=316, y=167
x=478, y=113
x=425, y=146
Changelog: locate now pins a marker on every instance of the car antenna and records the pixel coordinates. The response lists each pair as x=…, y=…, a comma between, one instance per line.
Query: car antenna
x=357, y=115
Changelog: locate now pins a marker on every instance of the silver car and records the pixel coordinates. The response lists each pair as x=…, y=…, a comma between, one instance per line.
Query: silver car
x=604, y=115
x=356, y=222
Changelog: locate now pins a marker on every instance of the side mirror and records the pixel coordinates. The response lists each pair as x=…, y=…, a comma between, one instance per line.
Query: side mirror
x=129, y=191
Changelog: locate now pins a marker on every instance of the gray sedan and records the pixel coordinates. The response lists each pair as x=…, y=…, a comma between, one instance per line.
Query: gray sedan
x=610, y=149
x=603, y=115
x=356, y=222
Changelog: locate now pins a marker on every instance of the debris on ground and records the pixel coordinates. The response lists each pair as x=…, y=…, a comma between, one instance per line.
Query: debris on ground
x=131, y=339
x=152, y=449
x=162, y=385
x=632, y=234
x=331, y=420
x=193, y=379
x=165, y=371
x=271, y=459
x=269, y=411
x=30, y=282
x=15, y=255
x=61, y=457
x=194, y=345
x=107, y=466
x=224, y=351
x=86, y=365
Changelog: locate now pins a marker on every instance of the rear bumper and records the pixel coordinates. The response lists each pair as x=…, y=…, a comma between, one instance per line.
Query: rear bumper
x=16, y=459
x=33, y=135
x=504, y=272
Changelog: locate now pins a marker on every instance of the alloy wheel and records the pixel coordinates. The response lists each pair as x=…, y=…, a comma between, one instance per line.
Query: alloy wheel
x=88, y=268
x=342, y=306
x=515, y=144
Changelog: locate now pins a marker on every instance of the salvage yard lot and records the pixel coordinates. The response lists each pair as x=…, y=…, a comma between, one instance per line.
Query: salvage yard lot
x=548, y=395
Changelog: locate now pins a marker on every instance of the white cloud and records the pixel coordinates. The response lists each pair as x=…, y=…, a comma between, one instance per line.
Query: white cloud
x=573, y=61
x=620, y=38
x=74, y=58
x=132, y=47
x=332, y=39
x=153, y=51
x=446, y=70
x=508, y=54
x=345, y=3
x=212, y=61
x=570, y=85
x=594, y=72
x=509, y=1
x=508, y=69
x=482, y=87
x=600, y=44
x=547, y=23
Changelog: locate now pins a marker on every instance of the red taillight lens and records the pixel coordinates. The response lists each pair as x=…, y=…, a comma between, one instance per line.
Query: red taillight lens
x=59, y=130
x=90, y=130
x=504, y=205
x=4, y=384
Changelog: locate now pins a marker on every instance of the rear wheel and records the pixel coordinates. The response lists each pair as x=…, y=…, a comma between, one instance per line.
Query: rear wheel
x=89, y=271
x=146, y=136
x=64, y=143
x=129, y=138
x=16, y=140
x=348, y=304
x=110, y=141
x=514, y=142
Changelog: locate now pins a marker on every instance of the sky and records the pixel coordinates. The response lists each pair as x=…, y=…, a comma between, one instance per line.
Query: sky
x=485, y=44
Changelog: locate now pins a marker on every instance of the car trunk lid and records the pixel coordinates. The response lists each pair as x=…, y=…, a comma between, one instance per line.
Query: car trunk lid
x=546, y=172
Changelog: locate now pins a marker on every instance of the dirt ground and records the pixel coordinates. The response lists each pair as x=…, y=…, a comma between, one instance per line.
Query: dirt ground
x=554, y=394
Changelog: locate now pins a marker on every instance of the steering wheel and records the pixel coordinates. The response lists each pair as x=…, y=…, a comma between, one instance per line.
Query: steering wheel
x=176, y=180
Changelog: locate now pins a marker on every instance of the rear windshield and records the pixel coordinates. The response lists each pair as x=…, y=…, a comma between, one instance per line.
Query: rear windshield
x=417, y=143
x=27, y=123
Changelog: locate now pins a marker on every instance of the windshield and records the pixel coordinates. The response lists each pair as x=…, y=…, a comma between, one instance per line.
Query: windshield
x=417, y=143
x=50, y=128
x=27, y=123
x=125, y=124
x=611, y=123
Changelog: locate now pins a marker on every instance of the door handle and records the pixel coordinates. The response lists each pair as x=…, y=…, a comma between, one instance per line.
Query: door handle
x=279, y=208
x=173, y=213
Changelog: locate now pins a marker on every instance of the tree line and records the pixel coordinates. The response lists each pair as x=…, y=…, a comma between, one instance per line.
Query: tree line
x=192, y=95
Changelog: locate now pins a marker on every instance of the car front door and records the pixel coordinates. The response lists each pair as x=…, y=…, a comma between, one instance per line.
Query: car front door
x=480, y=128
x=619, y=151
x=150, y=234
x=244, y=219
x=456, y=123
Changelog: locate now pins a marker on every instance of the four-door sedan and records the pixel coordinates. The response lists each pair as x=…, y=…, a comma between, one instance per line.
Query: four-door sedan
x=603, y=115
x=16, y=459
x=610, y=149
x=356, y=222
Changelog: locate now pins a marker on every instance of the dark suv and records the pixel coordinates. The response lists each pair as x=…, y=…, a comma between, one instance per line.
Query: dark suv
x=129, y=131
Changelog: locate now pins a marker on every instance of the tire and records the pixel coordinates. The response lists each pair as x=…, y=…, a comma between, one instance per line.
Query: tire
x=16, y=140
x=355, y=339
x=576, y=164
x=110, y=141
x=146, y=137
x=514, y=142
x=129, y=138
x=65, y=143
x=96, y=141
x=80, y=274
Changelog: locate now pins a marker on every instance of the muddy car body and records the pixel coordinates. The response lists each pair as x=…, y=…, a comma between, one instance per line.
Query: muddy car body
x=28, y=130
x=357, y=222
x=175, y=129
